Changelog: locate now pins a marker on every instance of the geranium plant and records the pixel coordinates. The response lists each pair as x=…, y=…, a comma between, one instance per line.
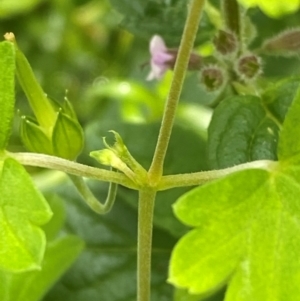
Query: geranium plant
x=230, y=222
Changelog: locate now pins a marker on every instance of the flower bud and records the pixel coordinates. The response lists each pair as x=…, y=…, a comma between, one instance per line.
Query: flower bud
x=109, y=158
x=119, y=157
x=55, y=129
x=212, y=77
x=248, y=67
x=286, y=43
x=225, y=42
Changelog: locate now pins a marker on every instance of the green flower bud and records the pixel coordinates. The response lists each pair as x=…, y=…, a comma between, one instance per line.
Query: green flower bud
x=55, y=129
x=67, y=137
x=286, y=43
x=120, y=149
x=65, y=141
x=226, y=42
x=109, y=158
x=212, y=77
x=248, y=67
x=119, y=157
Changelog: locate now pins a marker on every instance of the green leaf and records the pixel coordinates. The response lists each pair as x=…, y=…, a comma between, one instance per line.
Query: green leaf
x=106, y=270
x=274, y=8
x=247, y=236
x=279, y=96
x=52, y=228
x=241, y=130
x=31, y=286
x=12, y=7
x=23, y=211
x=183, y=295
x=129, y=7
x=7, y=90
x=166, y=18
x=289, y=144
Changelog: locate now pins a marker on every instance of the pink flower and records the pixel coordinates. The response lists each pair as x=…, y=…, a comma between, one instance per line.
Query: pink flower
x=160, y=58
x=163, y=58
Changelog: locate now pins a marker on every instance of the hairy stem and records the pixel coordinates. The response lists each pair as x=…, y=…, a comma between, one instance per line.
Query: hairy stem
x=231, y=15
x=91, y=200
x=146, y=206
x=200, y=178
x=72, y=168
x=186, y=45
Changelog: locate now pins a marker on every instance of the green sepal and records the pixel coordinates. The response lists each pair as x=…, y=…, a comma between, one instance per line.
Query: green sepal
x=34, y=137
x=65, y=107
x=42, y=108
x=23, y=210
x=67, y=137
x=7, y=87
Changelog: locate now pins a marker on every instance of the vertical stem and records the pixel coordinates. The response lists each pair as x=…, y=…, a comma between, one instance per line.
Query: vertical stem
x=145, y=218
x=231, y=15
x=186, y=45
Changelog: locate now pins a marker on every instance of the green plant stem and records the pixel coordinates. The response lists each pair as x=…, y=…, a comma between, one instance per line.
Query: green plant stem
x=145, y=222
x=200, y=178
x=231, y=15
x=186, y=45
x=91, y=200
x=72, y=168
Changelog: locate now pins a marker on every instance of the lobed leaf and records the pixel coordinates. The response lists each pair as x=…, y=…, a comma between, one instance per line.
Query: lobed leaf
x=247, y=229
x=22, y=211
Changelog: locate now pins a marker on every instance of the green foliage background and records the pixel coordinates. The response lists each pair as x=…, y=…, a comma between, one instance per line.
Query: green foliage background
x=93, y=51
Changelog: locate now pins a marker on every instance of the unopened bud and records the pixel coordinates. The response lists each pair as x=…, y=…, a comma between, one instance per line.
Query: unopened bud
x=212, y=77
x=225, y=42
x=286, y=43
x=248, y=67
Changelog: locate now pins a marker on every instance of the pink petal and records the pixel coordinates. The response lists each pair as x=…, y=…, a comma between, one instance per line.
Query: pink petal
x=157, y=44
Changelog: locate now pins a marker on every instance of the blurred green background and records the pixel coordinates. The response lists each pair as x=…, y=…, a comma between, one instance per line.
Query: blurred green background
x=94, y=54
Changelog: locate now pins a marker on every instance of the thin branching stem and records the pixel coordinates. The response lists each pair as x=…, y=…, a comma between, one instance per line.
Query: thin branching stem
x=202, y=177
x=72, y=168
x=186, y=45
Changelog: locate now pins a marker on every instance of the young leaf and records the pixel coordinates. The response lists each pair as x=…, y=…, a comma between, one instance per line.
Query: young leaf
x=241, y=130
x=22, y=211
x=7, y=88
x=32, y=285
